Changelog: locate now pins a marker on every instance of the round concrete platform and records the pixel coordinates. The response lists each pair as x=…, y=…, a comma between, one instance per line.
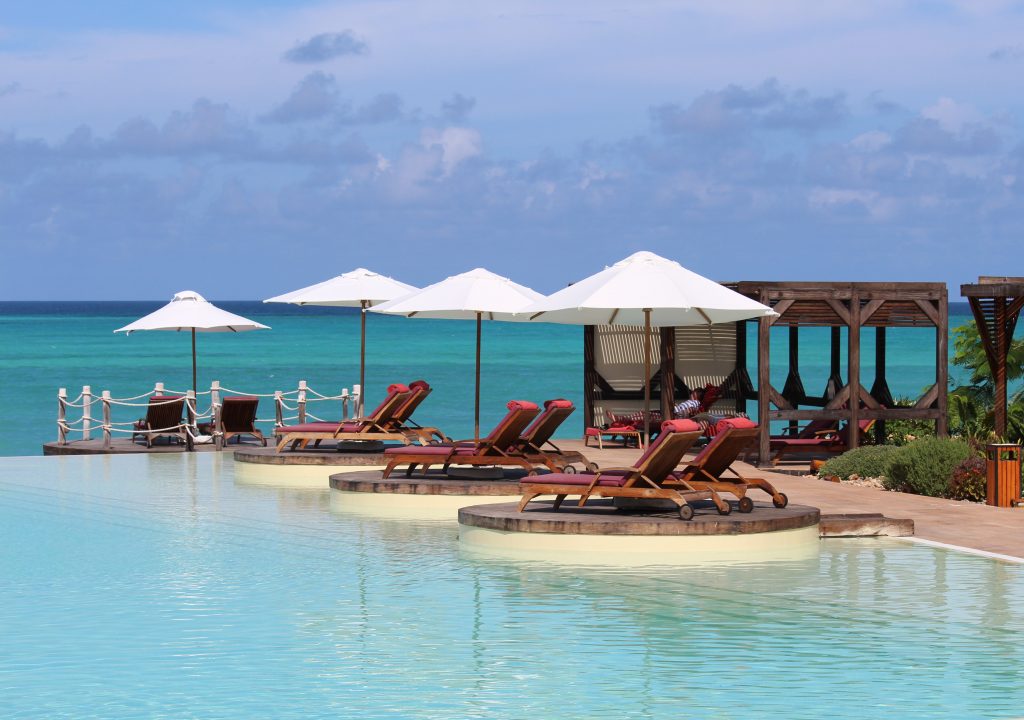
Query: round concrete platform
x=600, y=533
x=326, y=457
x=415, y=498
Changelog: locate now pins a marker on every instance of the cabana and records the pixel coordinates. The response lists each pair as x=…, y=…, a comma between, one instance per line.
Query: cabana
x=996, y=303
x=687, y=360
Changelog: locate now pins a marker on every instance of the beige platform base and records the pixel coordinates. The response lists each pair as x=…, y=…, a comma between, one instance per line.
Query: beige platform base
x=637, y=550
x=431, y=508
x=312, y=477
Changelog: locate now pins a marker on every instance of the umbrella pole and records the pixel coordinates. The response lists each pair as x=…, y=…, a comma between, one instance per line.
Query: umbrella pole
x=193, y=359
x=362, y=356
x=476, y=411
x=647, y=374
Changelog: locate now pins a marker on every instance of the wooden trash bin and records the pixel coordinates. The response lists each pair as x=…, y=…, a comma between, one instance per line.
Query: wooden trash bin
x=1003, y=474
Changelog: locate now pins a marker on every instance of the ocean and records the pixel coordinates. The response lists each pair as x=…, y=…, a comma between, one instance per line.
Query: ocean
x=48, y=345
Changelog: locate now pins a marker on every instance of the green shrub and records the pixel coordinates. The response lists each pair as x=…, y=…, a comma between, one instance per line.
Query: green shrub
x=925, y=466
x=904, y=432
x=867, y=461
x=970, y=481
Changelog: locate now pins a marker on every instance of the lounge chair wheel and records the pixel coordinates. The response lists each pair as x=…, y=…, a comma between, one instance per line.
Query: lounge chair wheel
x=726, y=509
x=745, y=504
x=781, y=501
x=569, y=470
x=592, y=467
x=686, y=512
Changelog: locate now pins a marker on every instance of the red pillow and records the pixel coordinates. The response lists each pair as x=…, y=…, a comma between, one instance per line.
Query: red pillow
x=711, y=395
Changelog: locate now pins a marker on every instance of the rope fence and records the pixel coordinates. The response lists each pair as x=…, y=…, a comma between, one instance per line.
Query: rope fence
x=196, y=426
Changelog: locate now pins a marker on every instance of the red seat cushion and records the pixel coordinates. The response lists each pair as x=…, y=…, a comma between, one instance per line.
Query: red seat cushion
x=558, y=403
x=575, y=479
x=311, y=427
x=441, y=450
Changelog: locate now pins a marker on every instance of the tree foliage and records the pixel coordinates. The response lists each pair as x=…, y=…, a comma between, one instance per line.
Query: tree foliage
x=971, y=406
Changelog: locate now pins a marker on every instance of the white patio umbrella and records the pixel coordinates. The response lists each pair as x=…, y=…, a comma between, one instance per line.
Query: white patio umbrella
x=478, y=294
x=189, y=310
x=649, y=290
x=359, y=288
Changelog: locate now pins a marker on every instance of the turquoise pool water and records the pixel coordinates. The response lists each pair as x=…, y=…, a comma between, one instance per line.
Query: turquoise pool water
x=160, y=587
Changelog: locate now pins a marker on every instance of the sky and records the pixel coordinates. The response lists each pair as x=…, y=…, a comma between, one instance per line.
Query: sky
x=245, y=148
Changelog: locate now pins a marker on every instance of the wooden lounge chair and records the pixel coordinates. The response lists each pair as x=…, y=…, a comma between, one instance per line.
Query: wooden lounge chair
x=643, y=480
x=238, y=417
x=733, y=436
x=403, y=422
x=163, y=419
x=375, y=427
x=498, y=448
x=830, y=443
x=536, y=443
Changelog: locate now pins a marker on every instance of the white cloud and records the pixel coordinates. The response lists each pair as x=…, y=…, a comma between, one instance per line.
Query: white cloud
x=456, y=145
x=951, y=115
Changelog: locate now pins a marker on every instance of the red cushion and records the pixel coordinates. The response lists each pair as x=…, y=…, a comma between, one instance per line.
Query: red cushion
x=558, y=403
x=397, y=388
x=417, y=385
x=578, y=479
x=738, y=423
x=592, y=432
x=680, y=426
x=521, y=405
x=425, y=450
x=711, y=395
x=310, y=427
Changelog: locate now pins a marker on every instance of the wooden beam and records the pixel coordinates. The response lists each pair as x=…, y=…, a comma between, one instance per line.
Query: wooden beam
x=929, y=398
x=868, y=310
x=780, y=307
x=865, y=414
x=668, y=371
x=763, y=383
x=942, y=366
x=981, y=322
x=840, y=310
x=590, y=380
x=776, y=398
x=928, y=309
x=853, y=371
x=841, y=397
x=865, y=397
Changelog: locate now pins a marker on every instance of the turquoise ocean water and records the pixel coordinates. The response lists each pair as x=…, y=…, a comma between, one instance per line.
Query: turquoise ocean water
x=44, y=346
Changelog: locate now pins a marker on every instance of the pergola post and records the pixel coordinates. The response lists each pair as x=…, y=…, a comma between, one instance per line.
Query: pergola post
x=763, y=384
x=668, y=371
x=853, y=371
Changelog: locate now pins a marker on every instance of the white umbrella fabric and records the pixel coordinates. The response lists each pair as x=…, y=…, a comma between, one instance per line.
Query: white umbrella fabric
x=189, y=310
x=649, y=290
x=359, y=288
x=478, y=294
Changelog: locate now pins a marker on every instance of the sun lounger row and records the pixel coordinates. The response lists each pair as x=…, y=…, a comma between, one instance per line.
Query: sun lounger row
x=656, y=474
x=523, y=438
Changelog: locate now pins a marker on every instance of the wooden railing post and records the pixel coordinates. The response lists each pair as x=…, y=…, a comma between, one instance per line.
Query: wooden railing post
x=190, y=405
x=344, y=403
x=357, y=399
x=278, y=409
x=218, y=428
x=86, y=412
x=106, y=419
x=302, y=401
x=62, y=416
x=215, y=393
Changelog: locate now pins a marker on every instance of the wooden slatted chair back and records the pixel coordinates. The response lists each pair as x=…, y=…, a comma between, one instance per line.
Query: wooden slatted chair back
x=238, y=413
x=666, y=454
x=543, y=427
x=164, y=411
x=724, y=450
x=418, y=393
x=506, y=433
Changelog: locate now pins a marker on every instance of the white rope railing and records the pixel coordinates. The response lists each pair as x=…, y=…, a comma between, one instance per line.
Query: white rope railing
x=209, y=416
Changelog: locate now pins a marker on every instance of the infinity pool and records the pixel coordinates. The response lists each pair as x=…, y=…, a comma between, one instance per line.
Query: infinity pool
x=160, y=587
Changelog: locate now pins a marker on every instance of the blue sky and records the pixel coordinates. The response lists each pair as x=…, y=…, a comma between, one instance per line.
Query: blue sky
x=243, y=148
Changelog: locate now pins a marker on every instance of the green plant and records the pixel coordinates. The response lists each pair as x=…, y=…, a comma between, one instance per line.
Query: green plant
x=867, y=461
x=901, y=432
x=970, y=406
x=969, y=480
x=925, y=466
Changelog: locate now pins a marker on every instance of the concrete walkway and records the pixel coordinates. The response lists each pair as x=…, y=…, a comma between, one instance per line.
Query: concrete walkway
x=970, y=525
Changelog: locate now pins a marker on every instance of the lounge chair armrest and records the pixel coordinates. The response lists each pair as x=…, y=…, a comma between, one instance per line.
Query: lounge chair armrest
x=825, y=433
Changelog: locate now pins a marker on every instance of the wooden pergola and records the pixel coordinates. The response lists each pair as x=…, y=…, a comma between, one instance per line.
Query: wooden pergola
x=853, y=306
x=996, y=303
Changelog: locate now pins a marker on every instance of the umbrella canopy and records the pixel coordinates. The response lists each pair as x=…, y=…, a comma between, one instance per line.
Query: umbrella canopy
x=478, y=294
x=649, y=290
x=359, y=288
x=189, y=310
